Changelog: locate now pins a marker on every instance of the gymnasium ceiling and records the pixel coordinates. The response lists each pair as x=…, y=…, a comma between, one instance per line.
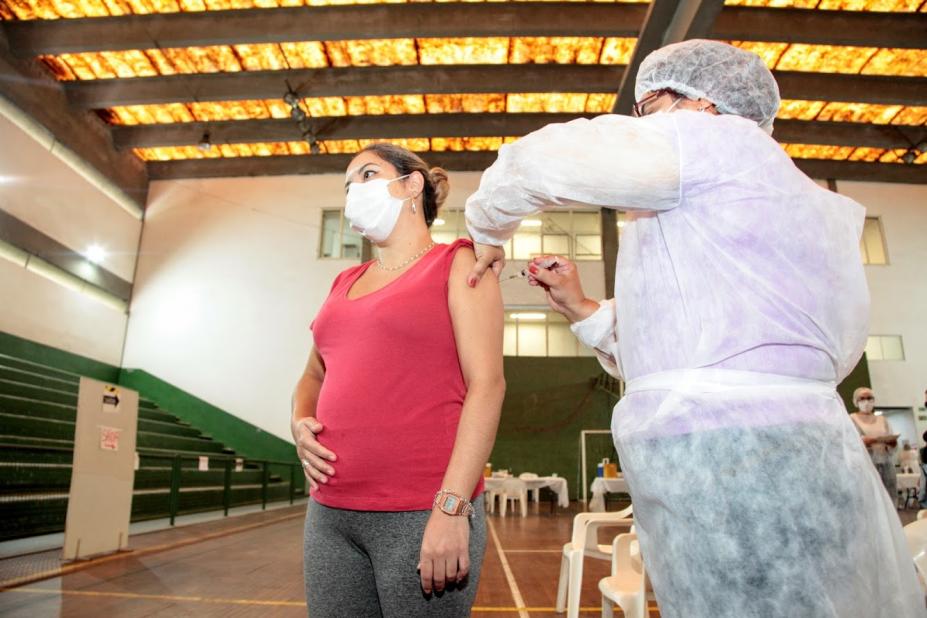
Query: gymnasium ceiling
x=199, y=88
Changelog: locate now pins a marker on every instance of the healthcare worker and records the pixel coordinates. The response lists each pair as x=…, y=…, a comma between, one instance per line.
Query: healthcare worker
x=740, y=304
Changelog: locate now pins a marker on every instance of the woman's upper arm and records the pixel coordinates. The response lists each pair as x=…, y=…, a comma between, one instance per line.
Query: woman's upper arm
x=477, y=317
x=315, y=366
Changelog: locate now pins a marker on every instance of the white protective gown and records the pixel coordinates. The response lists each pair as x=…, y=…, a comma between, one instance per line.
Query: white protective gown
x=740, y=303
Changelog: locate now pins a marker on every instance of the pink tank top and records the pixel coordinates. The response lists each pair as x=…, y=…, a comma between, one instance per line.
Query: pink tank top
x=393, y=388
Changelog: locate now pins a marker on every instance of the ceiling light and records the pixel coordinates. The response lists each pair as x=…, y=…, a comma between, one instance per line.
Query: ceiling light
x=205, y=143
x=621, y=223
x=95, y=253
x=532, y=223
x=439, y=222
x=910, y=156
x=528, y=316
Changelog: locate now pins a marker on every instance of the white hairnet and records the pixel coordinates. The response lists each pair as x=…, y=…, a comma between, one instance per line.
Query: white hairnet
x=736, y=81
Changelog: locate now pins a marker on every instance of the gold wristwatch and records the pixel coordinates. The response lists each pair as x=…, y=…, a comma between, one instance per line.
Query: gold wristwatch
x=452, y=503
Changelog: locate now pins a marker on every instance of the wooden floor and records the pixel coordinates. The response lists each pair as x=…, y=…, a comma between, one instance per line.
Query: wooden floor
x=252, y=566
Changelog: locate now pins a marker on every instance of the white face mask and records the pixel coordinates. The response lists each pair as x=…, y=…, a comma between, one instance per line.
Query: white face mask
x=866, y=406
x=371, y=210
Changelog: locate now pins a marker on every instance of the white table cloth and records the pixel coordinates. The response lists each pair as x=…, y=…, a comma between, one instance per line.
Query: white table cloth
x=602, y=486
x=557, y=483
x=908, y=481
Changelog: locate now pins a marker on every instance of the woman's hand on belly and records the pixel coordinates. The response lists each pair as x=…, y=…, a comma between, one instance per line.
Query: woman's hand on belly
x=445, y=556
x=312, y=454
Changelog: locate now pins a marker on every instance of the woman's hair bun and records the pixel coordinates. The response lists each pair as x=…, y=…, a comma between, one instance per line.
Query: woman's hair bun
x=439, y=181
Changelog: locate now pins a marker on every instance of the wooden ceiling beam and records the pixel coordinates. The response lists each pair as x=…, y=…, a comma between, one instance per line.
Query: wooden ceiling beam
x=478, y=161
x=329, y=23
x=384, y=21
x=471, y=125
x=453, y=79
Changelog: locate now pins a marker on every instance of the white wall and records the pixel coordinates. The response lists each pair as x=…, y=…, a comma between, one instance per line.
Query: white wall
x=227, y=284
x=41, y=190
x=898, y=289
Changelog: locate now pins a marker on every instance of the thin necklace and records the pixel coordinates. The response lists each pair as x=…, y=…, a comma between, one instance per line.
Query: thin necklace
x=407, y=262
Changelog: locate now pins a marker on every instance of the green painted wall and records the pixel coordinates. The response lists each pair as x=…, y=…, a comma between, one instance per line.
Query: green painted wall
x=245, y=438
x=53, y=357
x=548, y=402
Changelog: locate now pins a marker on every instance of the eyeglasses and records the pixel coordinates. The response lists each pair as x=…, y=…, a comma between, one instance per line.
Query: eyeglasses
x=638, y=108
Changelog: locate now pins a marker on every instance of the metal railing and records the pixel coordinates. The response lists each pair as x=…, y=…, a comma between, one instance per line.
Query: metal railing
x=290, y=472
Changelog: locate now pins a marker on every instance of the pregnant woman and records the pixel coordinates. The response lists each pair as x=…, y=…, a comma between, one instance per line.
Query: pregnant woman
x=396, y=412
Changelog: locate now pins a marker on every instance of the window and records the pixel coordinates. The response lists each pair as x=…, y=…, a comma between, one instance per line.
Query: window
x=885, y=347
x=539, y=332
x=574, y=234
x=338, y=239
x=872, y=244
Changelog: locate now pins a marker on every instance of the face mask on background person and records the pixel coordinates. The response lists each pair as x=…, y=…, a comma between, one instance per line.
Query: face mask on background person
x=866, y=406
x=372, y=210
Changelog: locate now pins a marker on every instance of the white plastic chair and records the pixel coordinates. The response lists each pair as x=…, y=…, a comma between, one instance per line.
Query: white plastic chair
x=916, y=535
x=490, y=496
x=627, y=585
x=514, y=489
x=585, y=543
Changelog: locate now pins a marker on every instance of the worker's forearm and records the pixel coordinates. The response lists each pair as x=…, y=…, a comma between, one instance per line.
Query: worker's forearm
x=476, y=434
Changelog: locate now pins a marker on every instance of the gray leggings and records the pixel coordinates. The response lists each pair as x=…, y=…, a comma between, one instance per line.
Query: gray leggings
x=363, y=564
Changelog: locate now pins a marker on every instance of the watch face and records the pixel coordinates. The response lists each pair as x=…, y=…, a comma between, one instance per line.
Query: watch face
x=450, y=504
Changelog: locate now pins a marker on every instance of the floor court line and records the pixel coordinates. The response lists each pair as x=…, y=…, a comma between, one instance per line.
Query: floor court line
x=509, y=576
x=259, y=602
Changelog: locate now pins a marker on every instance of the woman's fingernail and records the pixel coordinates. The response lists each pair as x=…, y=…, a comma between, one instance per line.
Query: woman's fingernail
x=532, y=268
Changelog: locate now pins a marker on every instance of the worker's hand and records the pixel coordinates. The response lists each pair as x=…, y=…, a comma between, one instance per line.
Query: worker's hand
x=312, y=454
x=445, y=555
x=560, y=279
x=487, y=257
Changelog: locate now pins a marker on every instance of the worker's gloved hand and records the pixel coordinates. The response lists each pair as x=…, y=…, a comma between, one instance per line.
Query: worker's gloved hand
x=487, y=257
x=312, y=454
x=560, y=279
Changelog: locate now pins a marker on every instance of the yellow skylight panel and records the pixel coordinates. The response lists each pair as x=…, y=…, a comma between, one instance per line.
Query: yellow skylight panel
x=560, y=50
x=386, y=104
x=867, y=154
x=617, y=50
x=778, y=4
x=769, y=52
x=306, y=55
x=466, y=50
x=859, y=112
x=908, y=62
x=800, y=110
x=600, y=103
x=440, y=144
x=911, y=115
x=833, y=5
x=374, y=52
x=415, y=144
x=825, y=58
x=469, y=103
x=262, y=57
x=870, y=5
x=807, y=151
x=565, y=102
